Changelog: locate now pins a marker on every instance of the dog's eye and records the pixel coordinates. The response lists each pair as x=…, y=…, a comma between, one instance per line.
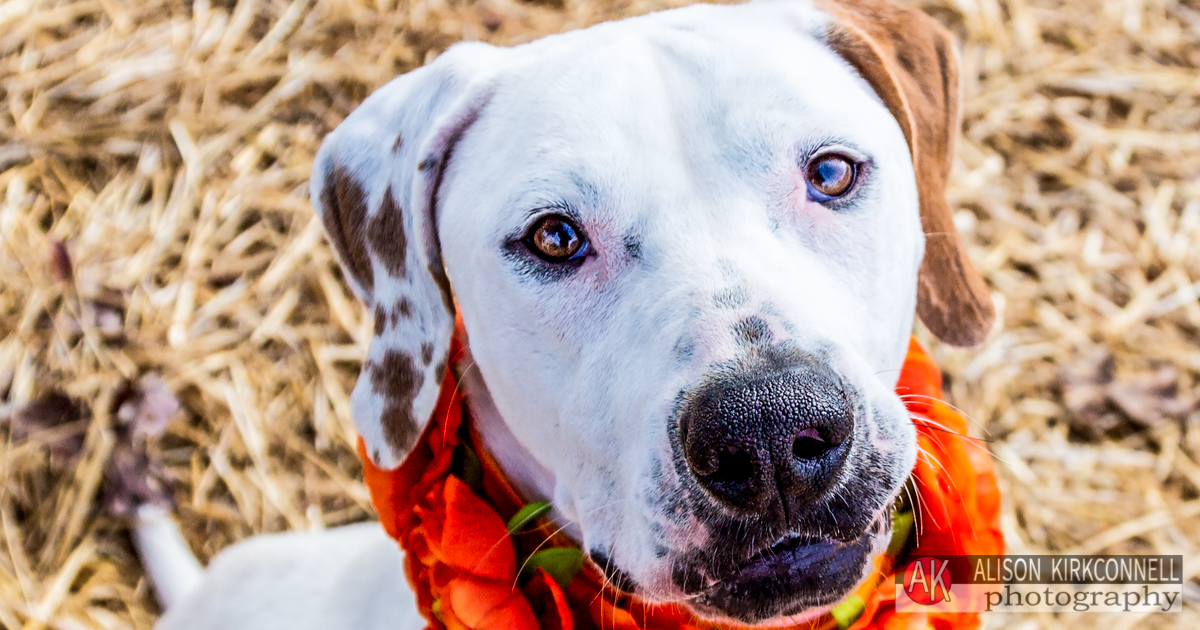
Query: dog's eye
x=555, y=239
x=830, y=176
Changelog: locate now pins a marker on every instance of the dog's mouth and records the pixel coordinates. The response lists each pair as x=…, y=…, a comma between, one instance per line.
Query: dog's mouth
x=795, y=575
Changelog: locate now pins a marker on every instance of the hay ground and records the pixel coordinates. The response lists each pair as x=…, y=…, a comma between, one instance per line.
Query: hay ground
x=157, y=244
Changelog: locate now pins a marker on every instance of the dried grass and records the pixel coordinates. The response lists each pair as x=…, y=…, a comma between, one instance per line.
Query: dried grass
x=155, y=221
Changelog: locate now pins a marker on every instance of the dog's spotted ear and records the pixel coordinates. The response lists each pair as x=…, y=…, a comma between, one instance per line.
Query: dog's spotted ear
x=374, y=186
x=909, y=60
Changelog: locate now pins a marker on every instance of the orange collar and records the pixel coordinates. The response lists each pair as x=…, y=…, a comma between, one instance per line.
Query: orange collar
x=448, y=503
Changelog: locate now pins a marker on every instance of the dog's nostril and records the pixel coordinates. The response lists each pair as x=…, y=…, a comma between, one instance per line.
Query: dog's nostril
x=733, y=467
x=810, y=445
x=704, y=464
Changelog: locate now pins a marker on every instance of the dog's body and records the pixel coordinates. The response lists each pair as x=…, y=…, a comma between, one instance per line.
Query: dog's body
x=349, y=577
x=687, y=249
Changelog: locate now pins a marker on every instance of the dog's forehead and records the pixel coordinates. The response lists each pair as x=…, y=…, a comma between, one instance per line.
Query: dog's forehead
x=711, y=88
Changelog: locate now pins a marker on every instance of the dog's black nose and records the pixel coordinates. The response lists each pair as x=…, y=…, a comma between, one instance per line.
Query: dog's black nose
x=764, y=440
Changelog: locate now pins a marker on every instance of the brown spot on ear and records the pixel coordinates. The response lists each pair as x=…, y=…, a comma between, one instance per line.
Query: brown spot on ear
x=398, y=380
x=386, y=233
x=345, y=218
x=398, y=143
x=380, y=320
x=906, y=61
x=439, y=372
x=403, y=308
x=426, y=353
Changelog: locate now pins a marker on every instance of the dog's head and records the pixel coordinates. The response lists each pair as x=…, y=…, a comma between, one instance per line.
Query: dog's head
x=687, y=249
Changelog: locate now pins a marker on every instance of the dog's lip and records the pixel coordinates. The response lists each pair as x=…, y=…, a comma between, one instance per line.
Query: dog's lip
x=804, y=548
x=792, y=542
x=811, y=549
x=795, y=578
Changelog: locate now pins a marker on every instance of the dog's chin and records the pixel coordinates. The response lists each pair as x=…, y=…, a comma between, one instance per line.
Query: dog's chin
x=797, y=578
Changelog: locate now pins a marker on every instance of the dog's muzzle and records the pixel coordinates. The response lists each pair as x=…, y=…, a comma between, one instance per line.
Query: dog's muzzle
x=784, y=479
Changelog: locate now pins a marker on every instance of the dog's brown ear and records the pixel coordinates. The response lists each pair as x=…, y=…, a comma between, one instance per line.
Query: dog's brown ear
x=909, y=60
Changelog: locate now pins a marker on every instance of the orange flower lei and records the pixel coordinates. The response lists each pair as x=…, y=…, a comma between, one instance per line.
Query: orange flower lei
x=447, y=503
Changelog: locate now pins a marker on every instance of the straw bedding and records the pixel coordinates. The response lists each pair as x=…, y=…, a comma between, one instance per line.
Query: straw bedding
x=161, y=268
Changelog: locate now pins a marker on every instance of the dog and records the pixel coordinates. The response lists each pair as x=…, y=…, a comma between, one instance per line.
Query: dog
x=687, y=250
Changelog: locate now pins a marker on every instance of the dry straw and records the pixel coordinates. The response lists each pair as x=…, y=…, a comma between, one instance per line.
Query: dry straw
x=157, y=245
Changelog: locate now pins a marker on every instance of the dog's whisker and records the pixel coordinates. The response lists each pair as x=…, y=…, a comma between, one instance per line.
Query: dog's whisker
x=921, y=498
x=564, y=527
x=925, y=422
x=955, y=408
x=506, y=535
x=537, y=548
x=922, y=421
x=682, y=598
x=458, y=385
x=939, y=430
x=829, y=509
x=971, y=441
x=933, y=460
x=608, y=582
x=942, y=429
x=916, y=506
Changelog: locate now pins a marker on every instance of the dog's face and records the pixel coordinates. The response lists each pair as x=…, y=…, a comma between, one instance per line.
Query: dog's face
x=688, y=276
x=686, y=250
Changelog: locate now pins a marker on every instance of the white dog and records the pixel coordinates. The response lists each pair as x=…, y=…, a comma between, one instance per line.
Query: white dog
x=687, y=249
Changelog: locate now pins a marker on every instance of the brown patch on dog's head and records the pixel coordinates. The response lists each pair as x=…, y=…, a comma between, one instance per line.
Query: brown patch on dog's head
x=910, y=62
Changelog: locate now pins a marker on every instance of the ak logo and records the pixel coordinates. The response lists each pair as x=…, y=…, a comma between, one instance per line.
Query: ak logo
x=927, y=581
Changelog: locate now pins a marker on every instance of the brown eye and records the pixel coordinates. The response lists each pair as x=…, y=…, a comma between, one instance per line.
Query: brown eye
x=555, y=239
x=830, y=176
